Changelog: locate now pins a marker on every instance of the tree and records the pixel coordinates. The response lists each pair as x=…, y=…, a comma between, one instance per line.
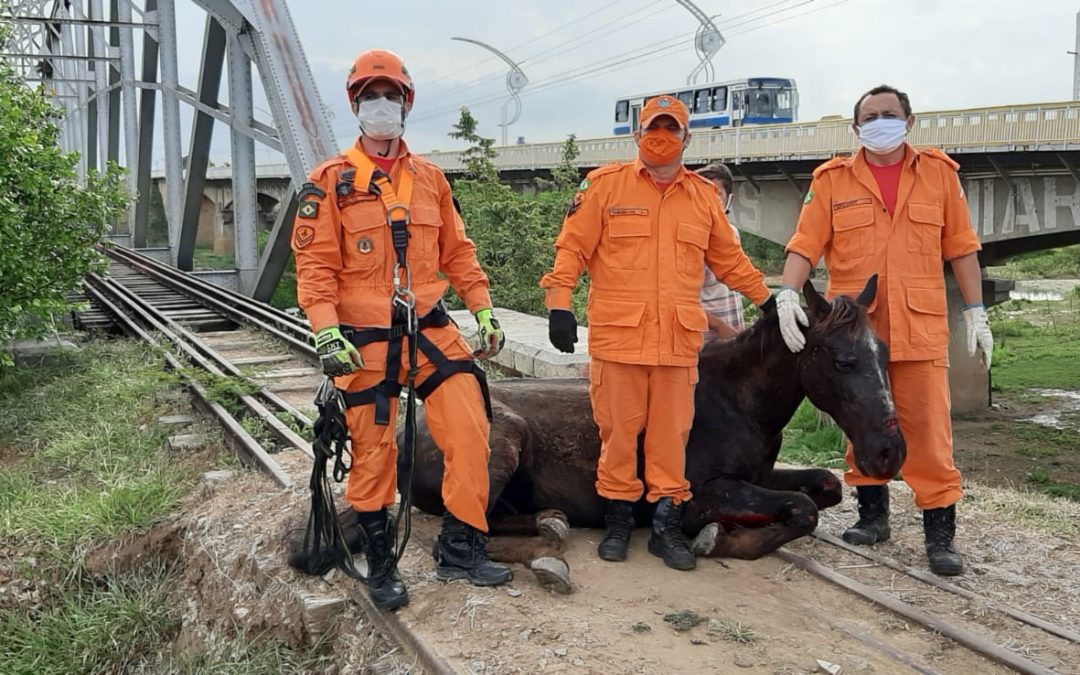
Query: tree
x=566, y=176
x=49, y=221
x=479, y=157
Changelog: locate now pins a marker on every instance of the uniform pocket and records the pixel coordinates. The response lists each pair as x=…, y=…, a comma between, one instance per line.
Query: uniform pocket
x=366, y=237
x=425, y=223
x=928, y=318
x=853, y=234
x=693, y=239
x=615, y=326
x=690, y=326
x=629, y=239
x=925, y=228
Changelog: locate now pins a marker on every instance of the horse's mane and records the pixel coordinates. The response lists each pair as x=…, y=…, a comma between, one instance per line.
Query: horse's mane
x=846, y=315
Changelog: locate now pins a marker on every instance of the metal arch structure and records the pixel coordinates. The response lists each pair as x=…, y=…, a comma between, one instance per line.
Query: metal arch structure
x=516, y=80
x=707, y=42
x=86, y=61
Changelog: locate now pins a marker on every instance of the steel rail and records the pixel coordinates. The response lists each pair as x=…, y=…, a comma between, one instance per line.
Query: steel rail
x=233, y=428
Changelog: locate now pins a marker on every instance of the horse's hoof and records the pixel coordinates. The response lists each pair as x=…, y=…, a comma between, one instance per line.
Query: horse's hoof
x=705, y=541
x=552, y=573
x=552, y=526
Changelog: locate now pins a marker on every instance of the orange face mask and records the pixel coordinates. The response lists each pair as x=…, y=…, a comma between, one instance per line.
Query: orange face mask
x=659, y=147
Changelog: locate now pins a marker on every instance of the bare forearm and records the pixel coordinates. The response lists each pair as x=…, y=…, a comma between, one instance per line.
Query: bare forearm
x=796, y=271
x=722, y=328
x=968, y=278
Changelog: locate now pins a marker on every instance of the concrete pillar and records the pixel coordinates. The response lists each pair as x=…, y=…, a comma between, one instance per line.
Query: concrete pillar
x=969, y=383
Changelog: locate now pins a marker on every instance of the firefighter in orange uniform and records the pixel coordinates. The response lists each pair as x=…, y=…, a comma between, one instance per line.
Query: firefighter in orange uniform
x=645, y=231
x=374, y=228
x=897, y=212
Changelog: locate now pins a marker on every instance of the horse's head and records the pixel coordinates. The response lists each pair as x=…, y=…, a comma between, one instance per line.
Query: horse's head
x=844, y=371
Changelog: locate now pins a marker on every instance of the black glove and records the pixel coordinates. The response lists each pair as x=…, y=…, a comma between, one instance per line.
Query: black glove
x=562, y=330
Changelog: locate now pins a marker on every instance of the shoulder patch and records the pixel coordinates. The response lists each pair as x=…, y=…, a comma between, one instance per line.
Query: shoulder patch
x=457, y=204
x=308, y=208
x=939, y=154
x=310, y=190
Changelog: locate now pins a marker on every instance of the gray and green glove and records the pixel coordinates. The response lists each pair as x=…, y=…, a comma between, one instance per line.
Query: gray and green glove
x=337, y=355
x=490, y=333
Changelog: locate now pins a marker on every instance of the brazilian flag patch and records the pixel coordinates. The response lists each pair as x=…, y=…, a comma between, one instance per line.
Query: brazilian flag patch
x=809, y=197
x=308, y=209
x=584, y=185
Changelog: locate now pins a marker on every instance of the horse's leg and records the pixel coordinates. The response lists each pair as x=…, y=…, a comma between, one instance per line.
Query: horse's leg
x=762, y=519
x=543, y=553
x=820, y=485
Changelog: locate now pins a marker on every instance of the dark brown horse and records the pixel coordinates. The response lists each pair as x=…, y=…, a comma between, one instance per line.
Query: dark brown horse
x=545, y=445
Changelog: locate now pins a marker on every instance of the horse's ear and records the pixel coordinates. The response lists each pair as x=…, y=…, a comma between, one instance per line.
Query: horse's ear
x=819, y=307
x=869, y=292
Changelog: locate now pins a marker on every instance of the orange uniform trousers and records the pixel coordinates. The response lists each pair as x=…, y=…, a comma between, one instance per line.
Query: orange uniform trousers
x=628, y=399
x=455, y=417
x=921, y=393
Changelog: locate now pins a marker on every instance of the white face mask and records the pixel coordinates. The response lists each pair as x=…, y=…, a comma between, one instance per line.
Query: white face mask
x=883, y=134
x=380, y=119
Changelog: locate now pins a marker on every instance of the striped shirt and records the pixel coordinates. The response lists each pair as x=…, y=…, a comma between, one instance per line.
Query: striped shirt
x=720, y=301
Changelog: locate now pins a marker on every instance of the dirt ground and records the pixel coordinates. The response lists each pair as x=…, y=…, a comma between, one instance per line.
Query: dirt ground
x=755, y=617
x=1003, y=446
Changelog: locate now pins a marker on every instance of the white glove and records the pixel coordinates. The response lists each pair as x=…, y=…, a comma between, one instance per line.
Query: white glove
x=978, y=333
x=791, y=315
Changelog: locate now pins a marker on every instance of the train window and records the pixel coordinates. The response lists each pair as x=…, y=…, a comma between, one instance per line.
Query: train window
x=761, y=104
x=720, y=99
x=687, y=97
x=622, y=111
x=783, y=103
x=702, y=101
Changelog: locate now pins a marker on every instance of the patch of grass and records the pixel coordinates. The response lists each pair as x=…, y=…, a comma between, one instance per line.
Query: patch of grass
x=82, y=448
x=91, y=628
x=1058, y=263
x=684, y=620
x=1038, y=348
x=204, y=258
x=811, y=440
x=732, y=631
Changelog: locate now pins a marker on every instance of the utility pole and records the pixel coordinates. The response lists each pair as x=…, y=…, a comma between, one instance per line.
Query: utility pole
x=515, y=82
x=1076, y=61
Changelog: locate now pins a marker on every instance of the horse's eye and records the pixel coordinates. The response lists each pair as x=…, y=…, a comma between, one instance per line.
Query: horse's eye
x=845, y=364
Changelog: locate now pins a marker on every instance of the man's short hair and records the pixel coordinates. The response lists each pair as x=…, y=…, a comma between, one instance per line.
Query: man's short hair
x=905, y=102
x=720, y=172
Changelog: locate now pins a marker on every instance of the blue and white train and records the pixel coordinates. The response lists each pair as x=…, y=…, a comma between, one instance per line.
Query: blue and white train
x=754, y=100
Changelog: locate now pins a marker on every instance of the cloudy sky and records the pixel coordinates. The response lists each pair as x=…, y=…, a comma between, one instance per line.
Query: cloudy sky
x=581, y=56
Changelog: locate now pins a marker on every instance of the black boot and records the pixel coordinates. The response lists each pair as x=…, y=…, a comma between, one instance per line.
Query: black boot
x=939, y=526
x=461, y=554
x=667, y=540
x=873, y=524
x=619, y=522
x=385, y=587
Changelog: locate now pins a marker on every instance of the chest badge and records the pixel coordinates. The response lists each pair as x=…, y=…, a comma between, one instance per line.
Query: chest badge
x=365, y=245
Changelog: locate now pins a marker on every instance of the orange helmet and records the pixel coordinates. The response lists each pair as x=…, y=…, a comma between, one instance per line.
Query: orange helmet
x=379, y=64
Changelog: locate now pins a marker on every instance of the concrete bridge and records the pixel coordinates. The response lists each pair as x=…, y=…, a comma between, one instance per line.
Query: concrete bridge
x=1020, y=166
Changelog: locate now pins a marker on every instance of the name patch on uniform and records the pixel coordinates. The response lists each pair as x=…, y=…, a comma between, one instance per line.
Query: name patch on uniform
x=839, y=206
x=308, y=209
x=627, y=211
x=305, y=234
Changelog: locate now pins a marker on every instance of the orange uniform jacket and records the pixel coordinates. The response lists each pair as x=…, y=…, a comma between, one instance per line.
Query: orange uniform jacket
x=844, y=219
x=646, y=253
x=345, y=258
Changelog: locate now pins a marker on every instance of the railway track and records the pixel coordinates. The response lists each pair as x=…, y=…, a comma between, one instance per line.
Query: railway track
x=253, y=368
